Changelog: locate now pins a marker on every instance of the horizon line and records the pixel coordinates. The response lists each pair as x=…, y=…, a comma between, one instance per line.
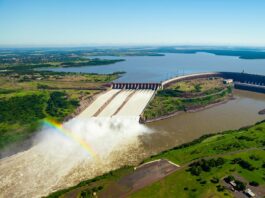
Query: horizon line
x=11, y=46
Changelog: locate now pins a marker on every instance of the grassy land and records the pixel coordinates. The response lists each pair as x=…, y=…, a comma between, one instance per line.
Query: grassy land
x=26, y=99
x=246, y=144
x=87, y=187
x=183, y=184
x=20, y=114
x=28, y=59
x=186, y=95
x=73, y=63
x=243, y=144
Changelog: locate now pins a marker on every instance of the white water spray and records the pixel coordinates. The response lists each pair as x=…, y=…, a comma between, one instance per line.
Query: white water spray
x=57, y=162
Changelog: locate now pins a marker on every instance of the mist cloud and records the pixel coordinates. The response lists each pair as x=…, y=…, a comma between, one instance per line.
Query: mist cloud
x=57, y=161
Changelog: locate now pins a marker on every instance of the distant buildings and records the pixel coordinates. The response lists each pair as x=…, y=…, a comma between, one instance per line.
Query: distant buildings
x=234, y=183
x=228, y=81
x=249, y=193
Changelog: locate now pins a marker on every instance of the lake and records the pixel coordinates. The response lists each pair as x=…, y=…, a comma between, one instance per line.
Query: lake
x=160, y=68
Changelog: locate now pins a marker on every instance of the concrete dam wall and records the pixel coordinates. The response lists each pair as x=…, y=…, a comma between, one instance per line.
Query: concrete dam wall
x=244, y=81
x=152, y=86
x=130, y=99
x=119, y=102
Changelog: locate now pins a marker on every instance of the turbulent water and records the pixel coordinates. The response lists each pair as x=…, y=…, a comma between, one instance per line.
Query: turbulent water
x=58, y=161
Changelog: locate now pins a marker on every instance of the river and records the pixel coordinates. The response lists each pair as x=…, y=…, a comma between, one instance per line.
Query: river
x=185, y=127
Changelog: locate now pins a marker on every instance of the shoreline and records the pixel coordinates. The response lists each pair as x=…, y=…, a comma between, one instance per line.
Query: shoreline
x=191, y=110
x=151, y=158
x=262, y=112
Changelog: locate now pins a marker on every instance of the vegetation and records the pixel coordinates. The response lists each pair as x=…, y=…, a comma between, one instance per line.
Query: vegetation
x=205, y=161
x=20, y=114
x=29, y=59
x=243, y=53
x=94, y=185
x=240, y=185
x=244, y=164
x=207, y=165
x=26, y=98
x=254, y=183
x=186, y=95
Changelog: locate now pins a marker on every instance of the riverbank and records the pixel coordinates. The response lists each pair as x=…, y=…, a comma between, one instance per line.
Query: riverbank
x=38, y=59
x=262, y=112
x=191, y=110
x=26, y=99
x=226, y=146
x=186, y=96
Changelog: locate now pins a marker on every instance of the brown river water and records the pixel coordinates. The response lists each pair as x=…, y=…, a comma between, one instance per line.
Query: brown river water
x=185, y=127
x=56, y=163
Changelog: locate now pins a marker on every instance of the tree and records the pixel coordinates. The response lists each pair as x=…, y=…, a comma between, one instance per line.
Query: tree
x=229, y=178
x=240, y=185
x=215, y=180
x=195, y=170
x=197, y=87
x=253, y=183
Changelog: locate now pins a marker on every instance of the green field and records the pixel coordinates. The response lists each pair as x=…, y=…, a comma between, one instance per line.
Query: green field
x=26, y=99
x=183, y=184
x=27, y=60
x=245, y=144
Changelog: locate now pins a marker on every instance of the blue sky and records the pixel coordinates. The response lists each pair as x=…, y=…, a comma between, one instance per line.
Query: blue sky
x=132, y=22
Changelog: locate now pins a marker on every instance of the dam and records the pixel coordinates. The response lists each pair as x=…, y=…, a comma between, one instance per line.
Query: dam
x=119, y=102
x=130, y=99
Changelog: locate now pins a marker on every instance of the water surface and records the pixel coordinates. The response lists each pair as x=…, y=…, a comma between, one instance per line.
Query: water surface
x=159, y=68
x=243, y=111
x=186, y=127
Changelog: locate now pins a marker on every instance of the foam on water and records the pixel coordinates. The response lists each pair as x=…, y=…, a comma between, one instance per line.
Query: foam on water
x=57, y=161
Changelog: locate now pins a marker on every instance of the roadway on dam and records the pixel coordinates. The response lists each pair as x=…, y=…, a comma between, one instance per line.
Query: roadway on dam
x=119, y=102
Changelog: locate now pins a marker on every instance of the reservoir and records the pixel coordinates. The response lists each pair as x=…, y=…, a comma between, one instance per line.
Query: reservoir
x=160, y=68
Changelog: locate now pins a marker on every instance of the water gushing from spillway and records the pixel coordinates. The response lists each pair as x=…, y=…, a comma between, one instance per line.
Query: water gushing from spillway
x=81, y=149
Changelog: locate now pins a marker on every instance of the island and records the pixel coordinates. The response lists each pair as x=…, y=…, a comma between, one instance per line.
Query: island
x=187, y=95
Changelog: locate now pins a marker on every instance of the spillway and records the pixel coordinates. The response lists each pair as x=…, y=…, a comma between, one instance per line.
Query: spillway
x=136, y=104
x=98, y=103
x=119, y=102
x=115, y=104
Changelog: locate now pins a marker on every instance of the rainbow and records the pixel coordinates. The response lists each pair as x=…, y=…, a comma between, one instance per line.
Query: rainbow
x=59, y=127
